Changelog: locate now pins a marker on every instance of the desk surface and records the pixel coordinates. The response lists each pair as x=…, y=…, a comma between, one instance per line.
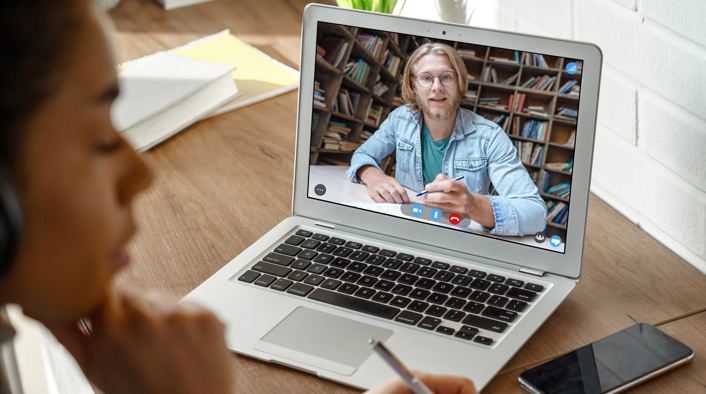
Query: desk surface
x=206, y=205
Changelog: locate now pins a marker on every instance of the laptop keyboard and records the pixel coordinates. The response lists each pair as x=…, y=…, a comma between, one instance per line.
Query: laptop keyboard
x=393, y=285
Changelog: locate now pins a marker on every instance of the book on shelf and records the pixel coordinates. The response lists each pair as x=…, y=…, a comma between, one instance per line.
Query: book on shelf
x=380, y=88
x=466, y=52
x=392, y=63
x=358, y=70
x=536, y=157
x=534, y=129
x=575, y=90
x=320, y=103
x=371, y=43
x=373, y=115
x=561, y=166
x=471, y=97
x=348, y=145
x=544, y=184
x=560, y=190
x=516, y=102
x=502, y=59
x=510, y=80
x=319, y=98
x=314, y=121
x=571, y=139
x=566, y=87
x=365, y=134
x=335, y=48
x=332, y=136
x=524, y=150
x=320, y=51
x=566, y=113
x=554, y=209
x=339, y=128
x=535, y=60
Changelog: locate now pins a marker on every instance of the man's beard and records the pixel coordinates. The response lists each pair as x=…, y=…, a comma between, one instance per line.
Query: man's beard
x=436, y=114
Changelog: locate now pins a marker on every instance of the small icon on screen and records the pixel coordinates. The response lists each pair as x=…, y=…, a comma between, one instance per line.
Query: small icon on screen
x=555, y=241
x=571, y=68
x=539, y=237
x=435, y=214
x=455, y=219
x=320, y=190
x=417, y=210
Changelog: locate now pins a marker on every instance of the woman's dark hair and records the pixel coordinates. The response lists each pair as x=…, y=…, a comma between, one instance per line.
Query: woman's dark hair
x=36, y=39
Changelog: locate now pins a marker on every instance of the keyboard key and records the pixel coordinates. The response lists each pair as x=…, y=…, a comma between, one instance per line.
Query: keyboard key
x=401, y=289
x=314, y=280
x=320, y=237
x=347, y=288
x=429, y=323
x=326, y=248
x=370, y=249
x=278, y=259
x=436, y=310
x=281, y=284
x=385, y=285
x=383, y=297
x=444, y=276
x=455, y=303
x=520, y=294
x=248, y=276
x=469, y=330
x=408, y=279
x=400, y=302
x=388, y=253
x=479, y=296
x=391, y=274
x=533, y=287
x=337, y=241
x=485, y=323
x=480, y=284
x=316, y=268
x=437, y=298
x=297, y=276
x=464, y=335
x=454, y=315
x=392, y=263
x=304, y=233
x=418, y=306
x=459, y=270
x=333, y=272
x=331, y=284
x=497, y=301
x=367, y=281
x=405, y=257
x=354, y=245
x=442, y=287
x=445, y=330
x=265, y=280
x=301, y=264
x=422, y=261
x=354, y=303
x=375, y=260
x=300, y=289
x=324, y=258
x=496, y=278
x=342, y=251
x=364, y=292
x=357, y=267
x=294, y=240
x=340, y=263
x=440, y=265
x=427, y=272
x=462, y=292
x=271, y=269
x=409, y=268
x=426, y=283
x=373, y=270
x=289, y=250
x=516, y=305
x=310, y=244
x=477, y=274
x=307, y=254
x=483, y=340
x=500, y=314
x=498, y=288
x=461, y=280
x=473, y=307
x=420, y=294
x=359, y=255
x=514, y=282
x=408, y=317
x=350, y=277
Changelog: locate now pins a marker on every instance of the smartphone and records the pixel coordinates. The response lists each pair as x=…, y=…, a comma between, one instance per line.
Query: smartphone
x=610, y=365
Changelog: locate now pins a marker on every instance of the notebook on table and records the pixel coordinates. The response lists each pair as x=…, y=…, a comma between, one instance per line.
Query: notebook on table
x=446, y=294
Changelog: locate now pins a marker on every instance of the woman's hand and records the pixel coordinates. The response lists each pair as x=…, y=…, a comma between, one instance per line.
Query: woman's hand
x=438, y=384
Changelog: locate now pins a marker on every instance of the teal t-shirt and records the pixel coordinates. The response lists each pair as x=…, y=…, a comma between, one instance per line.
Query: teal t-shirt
x=432, y=155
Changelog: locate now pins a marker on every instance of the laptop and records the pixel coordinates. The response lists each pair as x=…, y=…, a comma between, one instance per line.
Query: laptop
x=446, y=294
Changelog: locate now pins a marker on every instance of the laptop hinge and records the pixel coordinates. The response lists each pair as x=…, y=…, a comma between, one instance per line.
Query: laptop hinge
x=327, y=225
x=532, y=271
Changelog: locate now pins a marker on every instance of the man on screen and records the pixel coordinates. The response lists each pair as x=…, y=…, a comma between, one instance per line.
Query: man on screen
x=436, y=141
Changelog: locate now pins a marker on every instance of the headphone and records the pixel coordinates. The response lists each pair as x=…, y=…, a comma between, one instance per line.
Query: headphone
x=10, y=221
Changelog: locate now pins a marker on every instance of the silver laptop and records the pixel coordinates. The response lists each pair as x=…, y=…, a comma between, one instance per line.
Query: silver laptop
x=444, y=293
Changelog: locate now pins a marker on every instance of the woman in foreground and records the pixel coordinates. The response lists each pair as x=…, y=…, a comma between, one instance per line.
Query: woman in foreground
x=76, y=180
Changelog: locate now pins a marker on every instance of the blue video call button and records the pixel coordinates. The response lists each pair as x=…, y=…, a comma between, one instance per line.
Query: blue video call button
x=417, y=210
x=436, y=214
x=571, y=68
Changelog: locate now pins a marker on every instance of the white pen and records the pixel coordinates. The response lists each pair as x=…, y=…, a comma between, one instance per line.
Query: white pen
x=412, y=382
x=458, y=178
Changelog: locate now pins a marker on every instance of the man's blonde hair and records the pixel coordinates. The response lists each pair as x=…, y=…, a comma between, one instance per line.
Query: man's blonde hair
x=410, y=71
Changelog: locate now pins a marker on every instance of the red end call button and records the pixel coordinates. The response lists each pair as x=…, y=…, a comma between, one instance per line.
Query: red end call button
x=455, y=219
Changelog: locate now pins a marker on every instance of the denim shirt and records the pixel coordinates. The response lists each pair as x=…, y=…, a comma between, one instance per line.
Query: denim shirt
x=479, y=150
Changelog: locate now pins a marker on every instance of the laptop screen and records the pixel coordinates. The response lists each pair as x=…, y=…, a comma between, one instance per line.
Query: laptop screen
x=488, y=133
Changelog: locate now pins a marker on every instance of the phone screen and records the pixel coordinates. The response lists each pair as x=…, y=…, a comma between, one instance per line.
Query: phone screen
x=609, y=363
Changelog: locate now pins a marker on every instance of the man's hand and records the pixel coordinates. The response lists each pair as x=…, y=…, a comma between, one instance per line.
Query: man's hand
x=438, y=384
x=382, y=188
x=150, y=344
x=456, y=197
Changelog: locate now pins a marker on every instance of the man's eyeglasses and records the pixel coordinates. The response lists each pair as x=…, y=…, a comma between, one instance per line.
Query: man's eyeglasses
x=425, y=79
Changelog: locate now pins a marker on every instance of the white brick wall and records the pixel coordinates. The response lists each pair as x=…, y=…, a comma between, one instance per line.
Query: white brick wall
x=650, y=157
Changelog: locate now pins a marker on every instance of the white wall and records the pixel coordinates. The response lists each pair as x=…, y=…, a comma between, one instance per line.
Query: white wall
x=650, y=155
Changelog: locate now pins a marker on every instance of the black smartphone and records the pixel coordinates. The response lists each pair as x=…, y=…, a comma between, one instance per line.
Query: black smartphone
x=610, y=365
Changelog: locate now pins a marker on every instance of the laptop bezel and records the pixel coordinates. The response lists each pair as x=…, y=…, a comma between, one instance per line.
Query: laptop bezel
x=567, y=264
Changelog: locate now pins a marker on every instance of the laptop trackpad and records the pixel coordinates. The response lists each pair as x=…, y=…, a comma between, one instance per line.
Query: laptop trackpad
x=322, y=340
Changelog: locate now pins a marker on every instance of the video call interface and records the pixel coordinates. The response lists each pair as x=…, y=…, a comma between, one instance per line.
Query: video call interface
x=526, y=103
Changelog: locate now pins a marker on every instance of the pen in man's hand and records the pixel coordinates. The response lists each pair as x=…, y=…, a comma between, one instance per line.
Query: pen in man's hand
x=412, y=381
x=458, y=178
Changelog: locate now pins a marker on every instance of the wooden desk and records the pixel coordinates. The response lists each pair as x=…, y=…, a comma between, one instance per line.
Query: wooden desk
x=224, y=182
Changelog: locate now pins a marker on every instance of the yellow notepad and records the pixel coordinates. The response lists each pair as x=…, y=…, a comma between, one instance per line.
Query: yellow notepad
x=257, y=75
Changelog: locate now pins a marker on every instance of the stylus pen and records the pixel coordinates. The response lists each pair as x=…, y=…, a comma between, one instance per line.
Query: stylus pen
x=458, y=178
x=412, y=382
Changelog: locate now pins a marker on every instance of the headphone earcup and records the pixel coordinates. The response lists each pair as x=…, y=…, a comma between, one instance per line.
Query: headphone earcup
x=10, y=221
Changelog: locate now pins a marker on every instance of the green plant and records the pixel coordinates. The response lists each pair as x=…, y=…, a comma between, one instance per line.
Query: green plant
x=384, y=6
